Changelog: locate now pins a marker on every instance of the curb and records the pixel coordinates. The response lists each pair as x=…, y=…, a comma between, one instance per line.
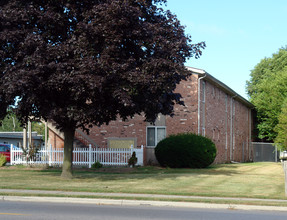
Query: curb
x=147, y=196
x=141, y=203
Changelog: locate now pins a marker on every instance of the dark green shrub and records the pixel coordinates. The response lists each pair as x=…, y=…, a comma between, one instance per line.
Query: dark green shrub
x=96, y=165
x=185, y=151
x=133, y=160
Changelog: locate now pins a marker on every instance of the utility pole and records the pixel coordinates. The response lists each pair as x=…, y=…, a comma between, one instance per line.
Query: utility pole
x=285, y=172
x=25, y=137
x=30, y=134
x=46, y=135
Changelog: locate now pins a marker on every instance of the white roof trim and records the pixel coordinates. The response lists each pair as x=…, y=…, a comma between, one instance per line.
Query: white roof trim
x=220, y=84
x=195, y=70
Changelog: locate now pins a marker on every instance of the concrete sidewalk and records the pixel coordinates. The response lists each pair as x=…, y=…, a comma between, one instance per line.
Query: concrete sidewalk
x=67, y=197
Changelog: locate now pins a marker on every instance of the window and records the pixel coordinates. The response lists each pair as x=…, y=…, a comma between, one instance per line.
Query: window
x=155, y=134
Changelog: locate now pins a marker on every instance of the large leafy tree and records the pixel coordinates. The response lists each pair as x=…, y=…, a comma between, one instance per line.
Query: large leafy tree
x=263, y=69
x=281, y=127
x=267, y=91
x=85, y=62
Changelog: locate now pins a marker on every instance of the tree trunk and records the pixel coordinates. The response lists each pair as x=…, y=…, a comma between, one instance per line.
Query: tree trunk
x=69, y=134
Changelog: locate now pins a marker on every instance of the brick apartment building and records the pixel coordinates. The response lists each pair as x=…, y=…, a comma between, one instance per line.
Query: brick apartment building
x=216, y=112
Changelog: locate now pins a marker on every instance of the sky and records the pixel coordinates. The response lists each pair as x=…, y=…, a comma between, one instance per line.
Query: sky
x=238, y=35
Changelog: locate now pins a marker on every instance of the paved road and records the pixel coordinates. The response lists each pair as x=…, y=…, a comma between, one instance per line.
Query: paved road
x=48, y=211
x=69, y=193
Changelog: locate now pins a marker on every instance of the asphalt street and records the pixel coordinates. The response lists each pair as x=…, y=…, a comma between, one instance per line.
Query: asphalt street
x=48, y=211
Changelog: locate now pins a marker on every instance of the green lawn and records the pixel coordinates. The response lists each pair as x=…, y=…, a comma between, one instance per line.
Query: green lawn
x=253, y=180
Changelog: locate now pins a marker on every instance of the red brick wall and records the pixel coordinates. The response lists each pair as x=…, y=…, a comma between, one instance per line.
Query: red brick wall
x=226, y=122
x=217, y=119
x=132, y=128
x=55, y=140
x=185, y=118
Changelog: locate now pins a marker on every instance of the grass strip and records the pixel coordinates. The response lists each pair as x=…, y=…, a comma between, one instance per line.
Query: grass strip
x=248, y=180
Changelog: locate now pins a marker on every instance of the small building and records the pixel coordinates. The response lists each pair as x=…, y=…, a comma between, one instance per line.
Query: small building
x=211, y=109
x=16, y=138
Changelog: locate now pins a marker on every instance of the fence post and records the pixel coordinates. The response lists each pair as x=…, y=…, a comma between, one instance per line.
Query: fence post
x=143, y=155
x=285, y=172
x=132, y=149
x=50, y=155
x=96, y=154
x=11, y=154
x=276, y=152
x=90, y=155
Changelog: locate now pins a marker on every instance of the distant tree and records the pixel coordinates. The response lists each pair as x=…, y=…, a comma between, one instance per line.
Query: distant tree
x=267, y=91
x=264, y=68
x=38, y=127
x=84, y=63
x=10, y=123
x=281, y=128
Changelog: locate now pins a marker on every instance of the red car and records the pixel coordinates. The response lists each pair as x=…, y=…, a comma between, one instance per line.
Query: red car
x=5, y=150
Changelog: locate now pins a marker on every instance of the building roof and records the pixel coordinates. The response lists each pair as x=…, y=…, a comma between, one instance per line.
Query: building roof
x=18, y=135
x=209, y=78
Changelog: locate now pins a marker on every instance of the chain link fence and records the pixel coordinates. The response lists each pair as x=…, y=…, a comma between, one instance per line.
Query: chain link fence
x=265, y=152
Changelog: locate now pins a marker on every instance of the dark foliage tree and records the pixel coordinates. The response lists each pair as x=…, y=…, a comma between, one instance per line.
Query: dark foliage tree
x=85, y=62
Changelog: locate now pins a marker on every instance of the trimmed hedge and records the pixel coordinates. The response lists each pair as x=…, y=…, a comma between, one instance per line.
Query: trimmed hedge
x=185, y=151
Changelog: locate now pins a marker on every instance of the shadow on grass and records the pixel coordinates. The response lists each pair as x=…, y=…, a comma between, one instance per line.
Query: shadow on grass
x=137, y=173
x=127, y=173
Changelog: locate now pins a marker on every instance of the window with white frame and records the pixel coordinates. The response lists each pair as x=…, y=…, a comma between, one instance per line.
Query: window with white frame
x=155, y=134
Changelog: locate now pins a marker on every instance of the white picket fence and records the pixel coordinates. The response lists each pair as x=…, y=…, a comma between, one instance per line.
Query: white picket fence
x=81, y=156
